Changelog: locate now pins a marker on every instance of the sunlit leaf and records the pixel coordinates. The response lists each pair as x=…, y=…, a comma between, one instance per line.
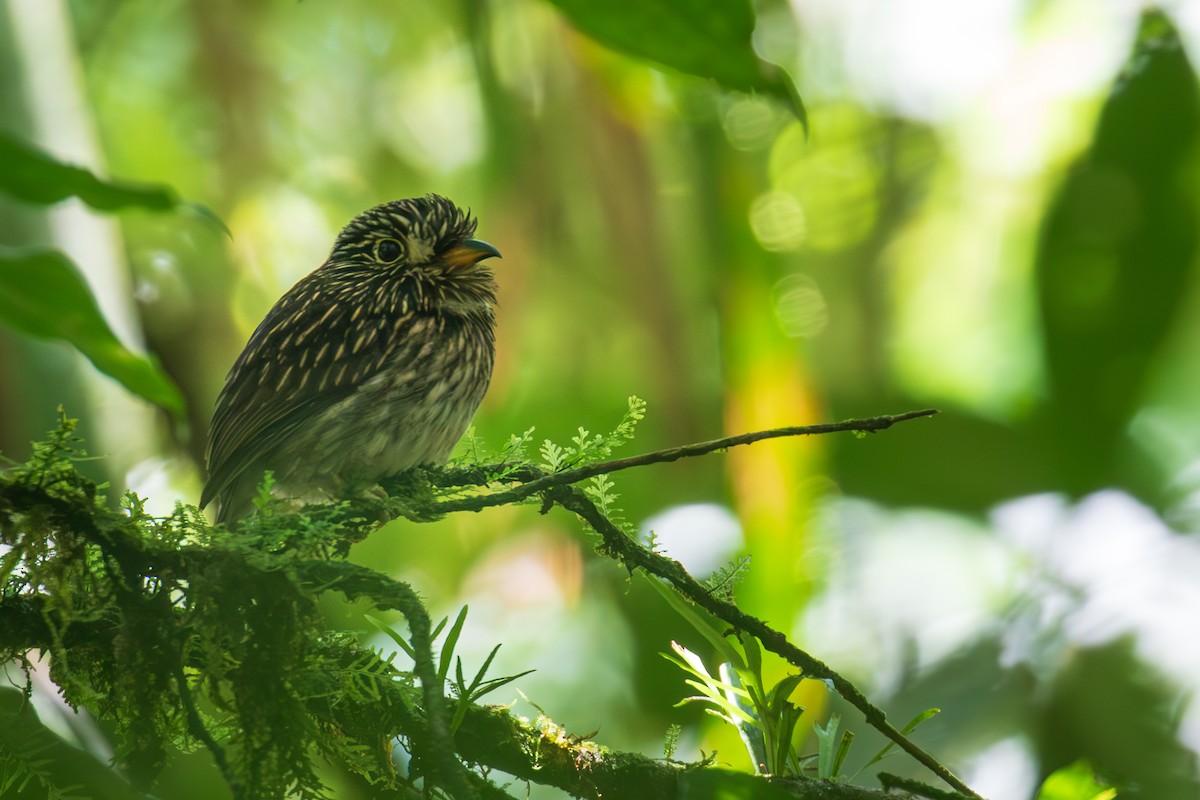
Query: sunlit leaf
x=1075, y=782
x=35, y=177
x=42, y=294
x=706, y=38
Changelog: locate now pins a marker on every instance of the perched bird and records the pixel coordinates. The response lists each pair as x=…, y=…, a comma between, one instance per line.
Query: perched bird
x=373, y=363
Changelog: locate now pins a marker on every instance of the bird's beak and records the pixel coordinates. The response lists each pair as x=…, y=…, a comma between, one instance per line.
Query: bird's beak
x=469, y=253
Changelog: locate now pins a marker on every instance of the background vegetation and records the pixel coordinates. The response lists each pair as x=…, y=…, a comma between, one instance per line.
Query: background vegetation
x=994, y=212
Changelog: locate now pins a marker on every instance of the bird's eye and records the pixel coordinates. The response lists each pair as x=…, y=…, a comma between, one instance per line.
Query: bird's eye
x=388, y=251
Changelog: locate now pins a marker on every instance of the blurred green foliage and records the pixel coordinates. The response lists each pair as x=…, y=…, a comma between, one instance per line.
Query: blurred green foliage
x=1115, y=261
x=1021, y=254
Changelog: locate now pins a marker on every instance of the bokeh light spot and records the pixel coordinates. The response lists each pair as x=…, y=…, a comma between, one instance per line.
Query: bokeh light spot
x=750, y=123
x=800, y=306
x=778, y=221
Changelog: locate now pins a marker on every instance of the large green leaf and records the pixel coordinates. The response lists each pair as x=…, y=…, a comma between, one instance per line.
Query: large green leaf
x=1116, y=257
x=43, y=294
x=706, y=38
x=35, y=177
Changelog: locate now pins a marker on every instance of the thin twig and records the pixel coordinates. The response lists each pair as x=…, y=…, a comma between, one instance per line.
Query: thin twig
x=534, y=481
x=868, y=425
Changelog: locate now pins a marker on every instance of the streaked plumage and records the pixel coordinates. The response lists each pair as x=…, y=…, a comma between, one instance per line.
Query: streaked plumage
x=373, y=363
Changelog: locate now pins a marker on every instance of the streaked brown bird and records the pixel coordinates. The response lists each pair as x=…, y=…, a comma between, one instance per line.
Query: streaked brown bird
x=373, y=363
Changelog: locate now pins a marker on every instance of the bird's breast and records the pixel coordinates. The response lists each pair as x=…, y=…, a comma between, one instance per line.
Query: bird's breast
x=417, y=405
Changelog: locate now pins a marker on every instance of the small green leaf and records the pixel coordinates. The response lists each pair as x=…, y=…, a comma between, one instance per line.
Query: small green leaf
x=671, y=740
x=786, y=717
x=706, y=38
x=725, y=650
x=828, y=746
x=35, y=177
x=42, y=294
x=1077, y=781
x=842, y=751
x=262, y=495
x=753, y=671
x=927, y=714
x=449, y=645
x=392, y=634
x=777, y=698
x=553, y=456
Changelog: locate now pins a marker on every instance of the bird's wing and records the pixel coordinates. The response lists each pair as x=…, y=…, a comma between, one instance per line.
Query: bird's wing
x=304, y=358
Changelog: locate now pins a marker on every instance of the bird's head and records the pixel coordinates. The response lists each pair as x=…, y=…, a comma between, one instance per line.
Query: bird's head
x=422, y=249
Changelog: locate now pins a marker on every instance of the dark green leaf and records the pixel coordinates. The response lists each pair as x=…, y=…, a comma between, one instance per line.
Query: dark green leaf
x=35, y=177
x=42, y=294
x=706, y=38
x=1116, y=256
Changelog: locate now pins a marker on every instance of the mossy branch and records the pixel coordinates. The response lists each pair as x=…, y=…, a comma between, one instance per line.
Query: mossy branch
x=537, y=751
x=174, y=630
x=241, y=619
